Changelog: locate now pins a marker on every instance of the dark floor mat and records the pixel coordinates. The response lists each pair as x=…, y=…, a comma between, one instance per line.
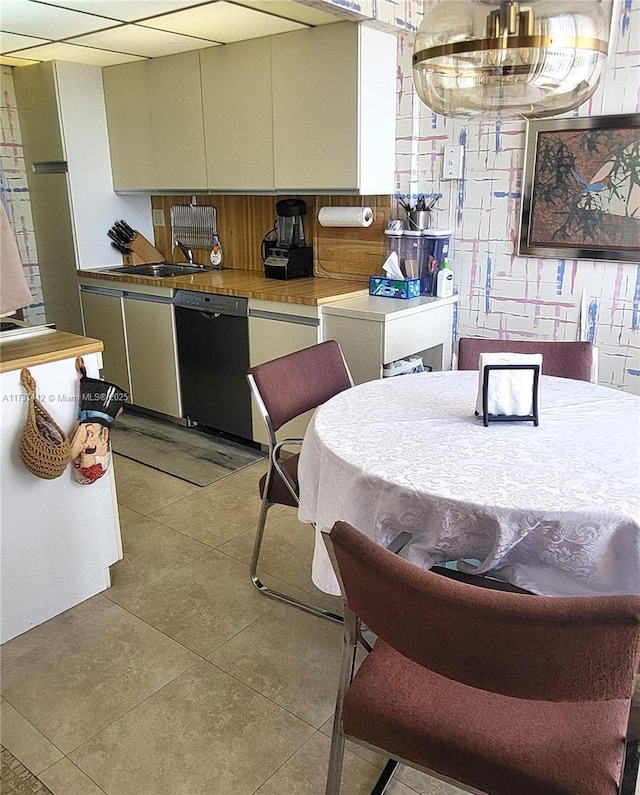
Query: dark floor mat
x=185, y=453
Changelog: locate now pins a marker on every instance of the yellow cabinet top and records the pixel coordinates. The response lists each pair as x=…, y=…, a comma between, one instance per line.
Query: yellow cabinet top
x=312, y=291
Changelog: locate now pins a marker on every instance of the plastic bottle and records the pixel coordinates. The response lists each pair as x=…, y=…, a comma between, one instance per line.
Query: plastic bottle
x=444, y=286
x=435, y=247
x=216, y=253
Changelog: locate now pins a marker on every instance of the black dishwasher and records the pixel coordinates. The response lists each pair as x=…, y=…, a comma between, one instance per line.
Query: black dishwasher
x=213, y=357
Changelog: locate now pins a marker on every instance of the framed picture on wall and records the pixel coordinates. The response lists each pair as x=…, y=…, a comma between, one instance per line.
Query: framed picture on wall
x=581, y=189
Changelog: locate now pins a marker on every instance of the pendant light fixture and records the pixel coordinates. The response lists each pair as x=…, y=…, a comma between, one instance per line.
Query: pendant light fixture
x=506, y=58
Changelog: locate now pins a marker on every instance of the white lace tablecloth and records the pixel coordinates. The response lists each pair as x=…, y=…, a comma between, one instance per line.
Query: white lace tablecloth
x=554, y=509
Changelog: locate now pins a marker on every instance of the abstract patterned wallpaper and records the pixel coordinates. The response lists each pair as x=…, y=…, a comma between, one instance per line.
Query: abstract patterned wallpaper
x=14, y=192
x=501, y=294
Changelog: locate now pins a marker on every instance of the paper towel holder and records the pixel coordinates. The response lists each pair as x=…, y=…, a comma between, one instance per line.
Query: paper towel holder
x=346, y=216
x=533, y=417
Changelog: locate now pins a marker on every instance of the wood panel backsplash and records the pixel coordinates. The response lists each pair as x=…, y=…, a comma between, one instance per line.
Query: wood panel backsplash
x=339, y=253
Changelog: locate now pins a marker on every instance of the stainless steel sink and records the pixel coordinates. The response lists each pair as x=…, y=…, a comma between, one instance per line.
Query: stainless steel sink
x=158, y=270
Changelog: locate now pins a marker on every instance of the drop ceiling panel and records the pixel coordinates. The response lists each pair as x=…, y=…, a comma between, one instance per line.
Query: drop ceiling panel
x=125, y=10
x=84, y=30
x=60, y=51
x=47, y=22
x=291, y=10
x=142, y=41
x=223, y=22
x=15, y=41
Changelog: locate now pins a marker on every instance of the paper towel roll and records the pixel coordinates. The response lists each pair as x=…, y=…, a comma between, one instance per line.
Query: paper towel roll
x=345, y=216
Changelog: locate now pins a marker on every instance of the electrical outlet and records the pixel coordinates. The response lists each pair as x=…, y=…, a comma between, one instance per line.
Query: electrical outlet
x=452, y=162
x=158, y=217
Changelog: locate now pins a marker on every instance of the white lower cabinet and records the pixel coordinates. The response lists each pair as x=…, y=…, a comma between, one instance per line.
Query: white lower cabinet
x=376, y=331
x=153, y=361
x=104, y=320
x=137, y=325
x=276, y=329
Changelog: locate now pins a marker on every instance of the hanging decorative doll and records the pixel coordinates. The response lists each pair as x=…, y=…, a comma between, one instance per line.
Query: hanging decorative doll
x=100, y=404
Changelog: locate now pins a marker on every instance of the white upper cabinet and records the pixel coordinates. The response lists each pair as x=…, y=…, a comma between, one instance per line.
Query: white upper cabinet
x=154, y=117
x=306, y=111
x=334, y=109
x=176, y=120
x=238, y=115
x=127, y=102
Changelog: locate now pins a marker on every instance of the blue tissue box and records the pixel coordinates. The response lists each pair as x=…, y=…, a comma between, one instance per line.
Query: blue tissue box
x=394, y=288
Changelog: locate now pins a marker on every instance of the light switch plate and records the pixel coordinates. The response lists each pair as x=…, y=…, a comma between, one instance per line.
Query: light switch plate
x=158, y=217
x=452, y=162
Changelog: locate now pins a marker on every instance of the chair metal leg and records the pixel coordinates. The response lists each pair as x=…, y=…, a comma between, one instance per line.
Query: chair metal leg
x=631, y=765
x=385, y=778
x=336, y=758
x=253, y=570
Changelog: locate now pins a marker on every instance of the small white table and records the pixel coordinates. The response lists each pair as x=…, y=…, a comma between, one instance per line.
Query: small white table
x=554, y=509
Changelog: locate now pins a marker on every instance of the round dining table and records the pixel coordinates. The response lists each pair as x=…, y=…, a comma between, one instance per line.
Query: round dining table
x=554, y=509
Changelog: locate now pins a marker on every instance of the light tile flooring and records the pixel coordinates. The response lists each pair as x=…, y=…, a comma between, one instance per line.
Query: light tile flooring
x=181, y=679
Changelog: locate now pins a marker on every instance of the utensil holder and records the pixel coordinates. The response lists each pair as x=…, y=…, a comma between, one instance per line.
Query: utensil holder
x=418, y=219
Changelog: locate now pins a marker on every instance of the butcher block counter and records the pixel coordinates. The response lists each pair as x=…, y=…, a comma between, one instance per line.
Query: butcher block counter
x=248, y=284
x=44, y=347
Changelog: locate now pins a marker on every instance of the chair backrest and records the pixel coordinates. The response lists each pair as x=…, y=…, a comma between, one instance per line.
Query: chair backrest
x=300, y=381
x=535, y=647
x=562, y=359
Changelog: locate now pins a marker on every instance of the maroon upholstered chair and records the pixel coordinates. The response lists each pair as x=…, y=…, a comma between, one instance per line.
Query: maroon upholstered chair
x=562, y=359
x=283, y=389
x=495, y=692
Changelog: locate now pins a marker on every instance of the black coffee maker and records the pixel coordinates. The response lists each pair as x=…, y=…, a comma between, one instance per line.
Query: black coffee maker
x=284, y=250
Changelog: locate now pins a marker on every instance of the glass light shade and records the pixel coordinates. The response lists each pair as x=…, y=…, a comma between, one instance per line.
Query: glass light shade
x=505, y=58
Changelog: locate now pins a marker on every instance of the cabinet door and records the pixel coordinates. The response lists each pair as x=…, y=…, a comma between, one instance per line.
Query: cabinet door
x=175, y=98
x=104, y=320
x=238, y=115
x=315, y=101
x=153, y=365
x=269, y=339
x=126, y=96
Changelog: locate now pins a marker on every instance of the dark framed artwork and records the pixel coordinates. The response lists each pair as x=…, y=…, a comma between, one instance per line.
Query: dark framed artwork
x=581, y=189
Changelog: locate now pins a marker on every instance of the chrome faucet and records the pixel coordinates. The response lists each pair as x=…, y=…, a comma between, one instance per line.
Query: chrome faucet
x=186, y=251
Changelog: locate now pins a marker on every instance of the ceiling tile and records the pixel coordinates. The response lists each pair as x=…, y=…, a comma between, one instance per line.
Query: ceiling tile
x=10, y=60
x=143, y=41
x=59, y=51
x=125, y=10
x=47, y=22
x=223, y=22
x=291, y=10
x=13, y=41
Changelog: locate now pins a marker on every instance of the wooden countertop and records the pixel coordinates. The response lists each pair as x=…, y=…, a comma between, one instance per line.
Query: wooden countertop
x=44, y=347
x=248, y=284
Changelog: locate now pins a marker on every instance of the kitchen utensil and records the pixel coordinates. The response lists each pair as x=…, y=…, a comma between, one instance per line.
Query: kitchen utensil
x=194, y=226
x=127, y=238
x=117, y=242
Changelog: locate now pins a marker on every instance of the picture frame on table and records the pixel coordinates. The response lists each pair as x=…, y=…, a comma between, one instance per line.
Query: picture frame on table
x=581, y=189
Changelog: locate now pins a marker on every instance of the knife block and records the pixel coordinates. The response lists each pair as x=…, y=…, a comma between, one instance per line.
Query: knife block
x=132, y=259
x=141, y=247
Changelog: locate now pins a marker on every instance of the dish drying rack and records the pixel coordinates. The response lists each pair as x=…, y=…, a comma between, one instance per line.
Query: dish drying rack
x=194, y=226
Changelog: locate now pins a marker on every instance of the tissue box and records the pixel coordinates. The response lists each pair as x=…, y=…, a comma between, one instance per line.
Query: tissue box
x=394, y=288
